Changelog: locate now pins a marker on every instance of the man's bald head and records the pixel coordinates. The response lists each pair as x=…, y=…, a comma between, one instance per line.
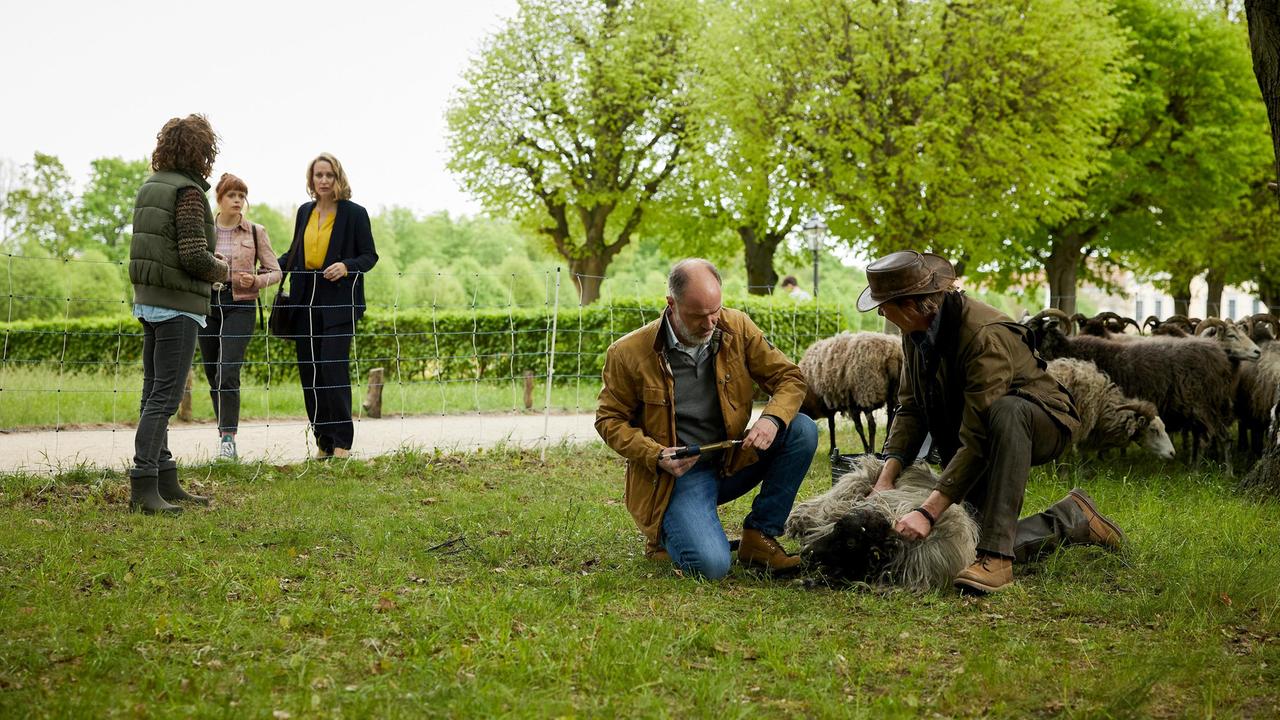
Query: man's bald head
x=692, y=272
x=694, y=297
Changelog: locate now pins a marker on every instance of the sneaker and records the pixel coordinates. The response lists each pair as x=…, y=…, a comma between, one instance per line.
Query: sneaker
x=227, y=448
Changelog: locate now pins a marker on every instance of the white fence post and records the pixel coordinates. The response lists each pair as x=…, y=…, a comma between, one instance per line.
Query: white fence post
x=551, y=369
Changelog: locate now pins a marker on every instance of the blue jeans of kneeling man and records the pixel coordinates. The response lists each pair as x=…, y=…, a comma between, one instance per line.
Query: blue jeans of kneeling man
x=691, y=529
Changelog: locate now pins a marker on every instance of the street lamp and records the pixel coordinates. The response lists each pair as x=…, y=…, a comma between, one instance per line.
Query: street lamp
x=815, y=231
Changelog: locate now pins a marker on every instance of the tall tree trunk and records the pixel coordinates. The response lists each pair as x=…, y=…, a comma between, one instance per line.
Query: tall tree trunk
x=1264, y=43
x=588, y=273
x=1217, y=280
x=1062, y=268
x=758, y=252
x=1180, y=288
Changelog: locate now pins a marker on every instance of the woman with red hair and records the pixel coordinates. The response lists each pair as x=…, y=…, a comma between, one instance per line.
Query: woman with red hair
x=230, y=325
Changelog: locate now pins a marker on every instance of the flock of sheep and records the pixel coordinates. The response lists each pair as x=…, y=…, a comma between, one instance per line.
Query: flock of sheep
x=1132, y=384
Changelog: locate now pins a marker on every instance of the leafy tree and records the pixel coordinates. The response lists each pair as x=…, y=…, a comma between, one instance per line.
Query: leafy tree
x=951, y=125
x=106, y=205
x=42, y=208
x=746, y=172
x=572, y=121
x=1174, y=155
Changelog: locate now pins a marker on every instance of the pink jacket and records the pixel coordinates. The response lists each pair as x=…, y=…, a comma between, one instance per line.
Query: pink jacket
x=260, y=261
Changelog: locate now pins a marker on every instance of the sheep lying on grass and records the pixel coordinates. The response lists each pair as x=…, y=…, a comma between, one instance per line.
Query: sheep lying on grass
x=853, y=373
x=1108, y=419
x=849, y=537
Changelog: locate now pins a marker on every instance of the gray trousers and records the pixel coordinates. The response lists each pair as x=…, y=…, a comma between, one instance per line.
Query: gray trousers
x=1021, y=434
x=167, y=350
x=223, y=342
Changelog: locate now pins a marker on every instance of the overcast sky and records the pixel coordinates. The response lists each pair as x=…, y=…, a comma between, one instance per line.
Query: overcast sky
x=280, y=81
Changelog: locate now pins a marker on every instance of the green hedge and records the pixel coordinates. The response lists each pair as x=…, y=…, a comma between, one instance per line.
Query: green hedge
x=421, y=344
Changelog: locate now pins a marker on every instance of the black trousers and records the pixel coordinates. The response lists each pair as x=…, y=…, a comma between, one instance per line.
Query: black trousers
x=324, y=364
x=167, y=350
x=1021, y=434
x=223, y=342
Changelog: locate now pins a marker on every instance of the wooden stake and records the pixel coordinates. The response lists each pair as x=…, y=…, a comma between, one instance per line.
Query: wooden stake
x=528, y=389
x=373, y=396
x=184, y=408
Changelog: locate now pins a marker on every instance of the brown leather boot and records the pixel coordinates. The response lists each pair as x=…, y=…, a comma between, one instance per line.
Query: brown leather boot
x=987, y=574
x=1101, y=530
x=759, y=550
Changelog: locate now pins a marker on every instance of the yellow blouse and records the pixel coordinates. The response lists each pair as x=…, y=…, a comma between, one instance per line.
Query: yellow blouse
x=315, y=239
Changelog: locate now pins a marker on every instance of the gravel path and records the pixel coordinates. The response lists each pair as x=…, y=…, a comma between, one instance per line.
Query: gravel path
x=289, y=441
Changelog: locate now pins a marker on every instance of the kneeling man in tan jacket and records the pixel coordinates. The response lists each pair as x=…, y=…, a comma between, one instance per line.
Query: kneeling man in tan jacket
x=684, y=380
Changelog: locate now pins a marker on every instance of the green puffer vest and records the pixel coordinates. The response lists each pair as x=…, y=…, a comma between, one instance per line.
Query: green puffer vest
x=154, y=269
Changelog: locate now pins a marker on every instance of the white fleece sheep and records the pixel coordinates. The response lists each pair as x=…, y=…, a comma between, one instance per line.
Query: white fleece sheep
x=1108, y=419
x=855, y=373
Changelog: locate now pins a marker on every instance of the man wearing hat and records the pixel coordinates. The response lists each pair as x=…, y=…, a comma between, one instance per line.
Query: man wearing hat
x=973, y=381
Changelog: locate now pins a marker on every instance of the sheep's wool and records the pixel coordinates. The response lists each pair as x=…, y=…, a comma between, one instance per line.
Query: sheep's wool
x=931, y=563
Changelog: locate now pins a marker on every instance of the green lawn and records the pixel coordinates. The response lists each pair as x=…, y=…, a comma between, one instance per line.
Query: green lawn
x=327, y=590
x=44, y=398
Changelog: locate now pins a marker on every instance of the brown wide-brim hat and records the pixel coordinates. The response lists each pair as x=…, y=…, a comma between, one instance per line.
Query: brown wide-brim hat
x=903, y=274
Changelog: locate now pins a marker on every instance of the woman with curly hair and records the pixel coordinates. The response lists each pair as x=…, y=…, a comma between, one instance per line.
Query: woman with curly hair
x=225, y=338
x=173, y=268
x=332, y=250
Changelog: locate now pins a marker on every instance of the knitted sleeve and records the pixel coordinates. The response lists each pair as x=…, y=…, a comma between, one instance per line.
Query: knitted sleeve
x=193, y=246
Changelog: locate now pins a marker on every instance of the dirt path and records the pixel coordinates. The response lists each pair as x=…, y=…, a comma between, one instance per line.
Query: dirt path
x=288, y=441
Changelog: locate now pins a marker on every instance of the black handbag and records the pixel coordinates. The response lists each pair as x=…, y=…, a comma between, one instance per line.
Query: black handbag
x=284, y=313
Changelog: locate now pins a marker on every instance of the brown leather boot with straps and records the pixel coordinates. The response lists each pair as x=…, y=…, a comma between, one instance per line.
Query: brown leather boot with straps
x=761, y=551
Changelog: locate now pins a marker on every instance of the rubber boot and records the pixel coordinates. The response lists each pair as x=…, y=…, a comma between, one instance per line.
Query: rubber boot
x=170, y=489
x=144, y=495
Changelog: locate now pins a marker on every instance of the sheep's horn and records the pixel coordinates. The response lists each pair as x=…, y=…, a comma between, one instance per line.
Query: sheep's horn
x=1152, y=322
x=1204, y=325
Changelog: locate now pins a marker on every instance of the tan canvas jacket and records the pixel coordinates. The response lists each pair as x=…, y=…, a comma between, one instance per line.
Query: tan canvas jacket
x=636, y=413
x=983, y=357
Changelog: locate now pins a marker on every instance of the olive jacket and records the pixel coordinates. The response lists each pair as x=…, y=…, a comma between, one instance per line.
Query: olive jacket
x=980, y=356
x=636, y=413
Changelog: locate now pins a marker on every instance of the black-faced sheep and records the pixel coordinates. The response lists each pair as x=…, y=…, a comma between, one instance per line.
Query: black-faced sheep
x=1191, y=381
x=1108, y=419
x=853, y=373
x=849, y=537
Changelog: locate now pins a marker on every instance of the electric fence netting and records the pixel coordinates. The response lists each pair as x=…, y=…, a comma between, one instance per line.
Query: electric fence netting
x=439, y=362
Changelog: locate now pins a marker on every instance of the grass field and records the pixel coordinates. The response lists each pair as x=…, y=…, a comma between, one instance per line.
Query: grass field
x=492, y=584
x=43, y=398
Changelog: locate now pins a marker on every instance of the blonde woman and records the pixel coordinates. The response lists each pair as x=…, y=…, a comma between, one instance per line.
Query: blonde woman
x=229, y=327
x=332, y=250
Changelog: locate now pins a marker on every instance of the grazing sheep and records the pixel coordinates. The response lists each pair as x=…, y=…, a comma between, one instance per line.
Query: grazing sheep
x=853, y=373
x=1258, y=383
x=850, y=537
x=1190, y=380
x=1108, y=419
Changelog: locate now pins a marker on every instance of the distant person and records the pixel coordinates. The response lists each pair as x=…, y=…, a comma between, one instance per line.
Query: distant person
x=232, y=316
x=792, y=287
x=686, y=379
x=173, y=268
x=332, y=249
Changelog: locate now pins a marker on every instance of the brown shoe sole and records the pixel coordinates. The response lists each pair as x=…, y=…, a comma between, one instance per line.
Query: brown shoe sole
x=764, y=566
x=1086, y=502
x=971, y=585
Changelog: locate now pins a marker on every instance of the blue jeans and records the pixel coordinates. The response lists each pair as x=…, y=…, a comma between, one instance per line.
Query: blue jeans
x=691, y=529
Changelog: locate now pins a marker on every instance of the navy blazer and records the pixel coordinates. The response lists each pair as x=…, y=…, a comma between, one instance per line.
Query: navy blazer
x=341, y=302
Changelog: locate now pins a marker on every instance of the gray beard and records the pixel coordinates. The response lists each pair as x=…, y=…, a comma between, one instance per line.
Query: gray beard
x=682, y=334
